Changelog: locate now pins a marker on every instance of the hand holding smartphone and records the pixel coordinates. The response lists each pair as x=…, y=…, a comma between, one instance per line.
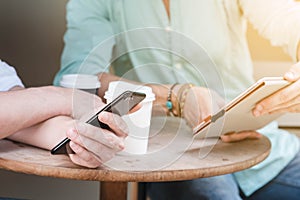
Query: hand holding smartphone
x=120, y=106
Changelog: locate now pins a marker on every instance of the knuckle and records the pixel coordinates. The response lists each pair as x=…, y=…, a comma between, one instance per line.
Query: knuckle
x=91, y=159
x=100, y=152
x=110, y=118
x=78, y=150
x=283, y=96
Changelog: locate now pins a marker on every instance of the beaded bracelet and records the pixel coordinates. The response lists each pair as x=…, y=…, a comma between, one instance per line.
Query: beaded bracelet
x=182, y=93
x=169, y=103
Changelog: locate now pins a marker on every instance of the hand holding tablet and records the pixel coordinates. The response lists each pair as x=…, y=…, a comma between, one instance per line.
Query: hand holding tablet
x=237, y=115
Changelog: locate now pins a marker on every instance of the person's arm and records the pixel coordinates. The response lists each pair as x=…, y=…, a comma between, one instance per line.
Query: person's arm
x=279, y=21
x=89, y=33
x=15, y=88
x=276, y=20
x=24, y=108
x=89, y=25
x=285, y=100
x=199, y=102
x=92, y=146
x=44, y=118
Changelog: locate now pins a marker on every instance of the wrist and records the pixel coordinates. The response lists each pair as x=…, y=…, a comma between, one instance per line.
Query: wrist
x=58, y=99
x=182, y=96
x=161, y=93
x=172, y=101
x=177, y=94
x=175, y=100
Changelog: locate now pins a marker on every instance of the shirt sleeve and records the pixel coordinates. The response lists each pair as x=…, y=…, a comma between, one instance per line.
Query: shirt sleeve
x=88, y=39
x=278, y=21
x=8, y=77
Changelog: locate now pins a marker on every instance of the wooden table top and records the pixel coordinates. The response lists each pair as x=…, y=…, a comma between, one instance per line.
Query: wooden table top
x=173, y=154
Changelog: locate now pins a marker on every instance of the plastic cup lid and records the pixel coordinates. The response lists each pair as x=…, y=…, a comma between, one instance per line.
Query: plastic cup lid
x=81, y=81
x=118, y=87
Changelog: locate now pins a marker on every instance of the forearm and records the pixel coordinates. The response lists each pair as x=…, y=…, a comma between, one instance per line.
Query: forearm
x=160, y=90
x=16, y=88
x=24, y=108
x=89, y=39
x=46, y=134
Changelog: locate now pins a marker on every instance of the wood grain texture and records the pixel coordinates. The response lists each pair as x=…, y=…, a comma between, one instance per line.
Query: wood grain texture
x=173, y=155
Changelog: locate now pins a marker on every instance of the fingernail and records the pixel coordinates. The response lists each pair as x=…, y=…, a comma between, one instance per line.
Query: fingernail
x=102, y=116
x=224, y=138
x=257, y=110
x=121, y=145
x=289, y=75
x=259, y=107
x=256, y=113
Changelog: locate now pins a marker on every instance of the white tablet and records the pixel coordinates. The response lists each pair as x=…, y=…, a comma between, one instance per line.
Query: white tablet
x=237, y=115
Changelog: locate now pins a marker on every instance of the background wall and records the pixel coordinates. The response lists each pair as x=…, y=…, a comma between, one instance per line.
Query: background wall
x=31, y=37
x=31, y=40
x=261, y=49
x=268, y=60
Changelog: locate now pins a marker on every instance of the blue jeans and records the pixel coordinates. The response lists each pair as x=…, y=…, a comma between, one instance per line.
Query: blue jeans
x=217, y=188
x=285, y=186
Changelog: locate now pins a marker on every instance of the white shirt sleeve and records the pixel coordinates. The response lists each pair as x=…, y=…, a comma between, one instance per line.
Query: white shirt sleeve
x=8, y=77
x=278, y=21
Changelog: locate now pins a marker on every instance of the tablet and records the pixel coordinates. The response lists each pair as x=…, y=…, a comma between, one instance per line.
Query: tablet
x=237, y=115
x=289, y=120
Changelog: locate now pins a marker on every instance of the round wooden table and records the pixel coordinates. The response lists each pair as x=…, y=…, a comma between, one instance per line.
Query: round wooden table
x=173, y=154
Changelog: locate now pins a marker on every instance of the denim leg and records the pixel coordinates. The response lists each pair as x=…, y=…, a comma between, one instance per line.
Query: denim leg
x=285, y=186
x=214, y=188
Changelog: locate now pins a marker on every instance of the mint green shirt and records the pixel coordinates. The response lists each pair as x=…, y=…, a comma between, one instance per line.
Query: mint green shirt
x=203, y=43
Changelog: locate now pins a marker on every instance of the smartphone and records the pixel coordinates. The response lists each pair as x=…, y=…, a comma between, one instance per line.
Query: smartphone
x=120, y=106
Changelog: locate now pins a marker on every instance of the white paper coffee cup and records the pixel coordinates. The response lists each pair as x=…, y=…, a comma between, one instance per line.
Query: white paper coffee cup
x=85, y=82
x=137, y=122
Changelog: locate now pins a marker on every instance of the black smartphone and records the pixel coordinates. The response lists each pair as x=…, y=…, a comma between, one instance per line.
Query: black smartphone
x=120, y=106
